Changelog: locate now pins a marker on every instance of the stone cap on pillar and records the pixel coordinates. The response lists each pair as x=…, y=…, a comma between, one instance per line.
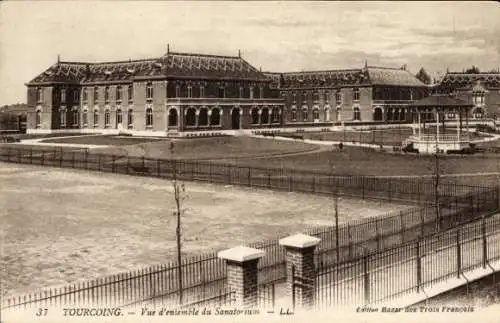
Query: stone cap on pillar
x=299, y=241
x=241, y=254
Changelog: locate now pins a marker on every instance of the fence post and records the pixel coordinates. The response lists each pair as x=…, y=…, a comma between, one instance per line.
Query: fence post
x=377, y=237
x=268, y=178
x=99, y=162
x=73, y=159
x=422, y=224
x=86, y=159
x=403, y=229
x=363, y=187
x=43, y=157
x=242, y=273
x=299, y=250
x=485, y=241
x=419, y=265
x=389, y=184
x=366, y=277
x=158, y=170
x=249, y=177
x=60, y=157
x=349, y=237
x=31, y=155
x=459, y=254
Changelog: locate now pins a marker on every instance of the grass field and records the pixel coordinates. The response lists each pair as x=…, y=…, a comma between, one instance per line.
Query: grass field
x=103, y=140
x=60, y=226
x=212, y=148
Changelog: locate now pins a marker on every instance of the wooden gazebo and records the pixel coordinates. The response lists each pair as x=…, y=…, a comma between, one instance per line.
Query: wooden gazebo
x=441, y=107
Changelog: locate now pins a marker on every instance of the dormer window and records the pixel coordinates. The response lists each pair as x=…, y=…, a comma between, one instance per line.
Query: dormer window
x=149, y=91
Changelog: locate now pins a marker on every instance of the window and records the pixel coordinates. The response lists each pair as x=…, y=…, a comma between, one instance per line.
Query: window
x=191, y=117
x=63, y=118
x=478, y=98
x=149, y=91
x=39, y=95
x=315, y=114
x=130, y=93
x=316, y=96
x=149, y=117
x=190, y=92
x=130, y=118
x=355, y=94
x=275, y=115
x=106, y=94
x=172, y=118
x=75, y=118
x=338, y=98
x=38, y=118
x=293, y=115
x=251, y=92
x=76, y=95
x=96, y=94
x=118, y=93
x=241, y=91
x=85, y=94
x=85, y=118
x=304, y=97
x=119, y=116
x=338, y=114
x=177, y=91
x=478, y=113
x=107, y=118
x=255, y=116
x=203, y=117
x=377, y=114
x=304, y=115
x=222, y=92
x=294, y=97
x=261, y=93
x=202, y=91
x=356, y=114
x=63, y=95
x=264, y=116
x=327, y=114
x=215, y=117
x=96, y=119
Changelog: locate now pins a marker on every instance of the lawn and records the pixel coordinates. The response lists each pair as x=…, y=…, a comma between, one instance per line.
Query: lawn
x=61, y=226
x=212, y=148
x=103, y=140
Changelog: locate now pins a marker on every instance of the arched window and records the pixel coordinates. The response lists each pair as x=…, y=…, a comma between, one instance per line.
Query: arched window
x=316, y=114
x=107, y=118
x=255, y=116
x=264, y=117
x=203, y=117
x=39, y=95
x=96, y=118
x=377, y=114
x=356, y=114
x=118, y=93
x=293, y=115
x=172, y=118
x=389, y=114
x=119, y=117
x=275, y=116
x=130, y=118
x=149, y=117
x=191, y=117
x=215, y=117
x=63, y=95
x=38, y=118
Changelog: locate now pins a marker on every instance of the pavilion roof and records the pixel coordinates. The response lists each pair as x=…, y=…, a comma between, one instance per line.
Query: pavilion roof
x=441, y=101
x=170, y=65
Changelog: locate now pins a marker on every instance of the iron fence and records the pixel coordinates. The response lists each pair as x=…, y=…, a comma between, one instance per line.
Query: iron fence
x=378, y=277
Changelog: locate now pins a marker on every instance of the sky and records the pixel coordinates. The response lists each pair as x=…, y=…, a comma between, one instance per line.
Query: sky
x=274, y=36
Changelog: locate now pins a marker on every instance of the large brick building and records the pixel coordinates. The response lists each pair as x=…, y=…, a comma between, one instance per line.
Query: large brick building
x=370, y=94
x=480, y=89
x=176, y=92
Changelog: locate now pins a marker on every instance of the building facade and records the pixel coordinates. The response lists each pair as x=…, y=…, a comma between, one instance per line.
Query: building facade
x=178, y=92
x=370, y=94
x=481, y=89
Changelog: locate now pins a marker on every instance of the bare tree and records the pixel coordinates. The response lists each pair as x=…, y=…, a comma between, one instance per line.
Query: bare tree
x=179, y=197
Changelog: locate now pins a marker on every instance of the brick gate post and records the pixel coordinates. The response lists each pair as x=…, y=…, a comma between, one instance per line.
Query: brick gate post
x=242, y=274
x=299, y=251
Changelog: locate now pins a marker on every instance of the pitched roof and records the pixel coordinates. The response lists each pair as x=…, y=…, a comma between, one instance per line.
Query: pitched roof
x=182, y=65
x=466, y=80
x=392, y=76
x=440, y=100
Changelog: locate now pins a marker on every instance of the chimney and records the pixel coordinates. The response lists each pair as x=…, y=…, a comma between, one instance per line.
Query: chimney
x=168, y=48
x=239, y=53
x=58, y=58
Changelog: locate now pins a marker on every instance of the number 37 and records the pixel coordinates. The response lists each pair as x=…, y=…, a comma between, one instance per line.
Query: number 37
x=41, y=312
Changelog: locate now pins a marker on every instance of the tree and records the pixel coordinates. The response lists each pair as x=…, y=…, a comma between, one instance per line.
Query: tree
x=179, y=197
x=423, y=76
x=473, y=70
